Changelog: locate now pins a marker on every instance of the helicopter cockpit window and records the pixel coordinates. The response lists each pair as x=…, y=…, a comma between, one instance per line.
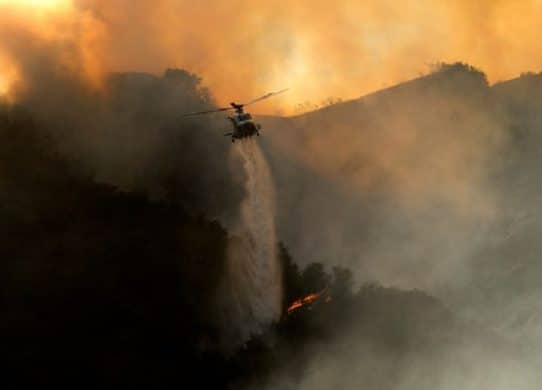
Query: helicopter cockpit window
x=245, y=116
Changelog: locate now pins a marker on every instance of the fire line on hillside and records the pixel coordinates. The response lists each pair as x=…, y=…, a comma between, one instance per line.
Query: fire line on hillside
x=308, y=300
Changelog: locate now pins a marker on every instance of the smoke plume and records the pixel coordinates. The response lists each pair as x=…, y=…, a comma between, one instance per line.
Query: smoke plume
x=317, y=49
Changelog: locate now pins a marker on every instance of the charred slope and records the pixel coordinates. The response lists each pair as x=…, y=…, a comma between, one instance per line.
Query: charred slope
x=102, y=287
x=107, y=287
x=374, y=337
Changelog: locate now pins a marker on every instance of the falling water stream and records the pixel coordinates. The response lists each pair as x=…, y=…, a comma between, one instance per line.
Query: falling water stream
x=251, y=297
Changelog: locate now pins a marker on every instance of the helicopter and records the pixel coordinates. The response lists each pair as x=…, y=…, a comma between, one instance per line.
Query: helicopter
x=243, y=124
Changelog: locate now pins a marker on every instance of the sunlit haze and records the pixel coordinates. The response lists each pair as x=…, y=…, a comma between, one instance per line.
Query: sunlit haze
x=319, y=50
x=35, y=3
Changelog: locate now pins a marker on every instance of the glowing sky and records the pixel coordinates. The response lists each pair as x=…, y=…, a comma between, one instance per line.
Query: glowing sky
x=318, y=49
x=33, y=4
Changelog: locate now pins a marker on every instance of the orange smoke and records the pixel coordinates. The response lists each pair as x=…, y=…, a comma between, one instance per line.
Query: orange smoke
x=35, y=4
x=319, y=49
x=7, y=75
x=31, y=30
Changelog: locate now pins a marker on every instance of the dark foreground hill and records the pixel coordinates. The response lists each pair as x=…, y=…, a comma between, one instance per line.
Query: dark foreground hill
x=97, y=285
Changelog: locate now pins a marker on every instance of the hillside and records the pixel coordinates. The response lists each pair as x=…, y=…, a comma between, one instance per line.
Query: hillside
x=114, y=288
x=432, y=183
x=112, y=253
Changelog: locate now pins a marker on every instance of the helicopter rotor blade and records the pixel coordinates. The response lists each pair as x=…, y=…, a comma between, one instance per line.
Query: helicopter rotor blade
x=208, y=111
x=266, y=96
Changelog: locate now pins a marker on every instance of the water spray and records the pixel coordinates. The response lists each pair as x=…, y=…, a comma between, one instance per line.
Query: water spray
x=251, y=296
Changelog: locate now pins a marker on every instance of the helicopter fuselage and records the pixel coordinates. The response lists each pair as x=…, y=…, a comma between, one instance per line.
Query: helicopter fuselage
x=243, y=126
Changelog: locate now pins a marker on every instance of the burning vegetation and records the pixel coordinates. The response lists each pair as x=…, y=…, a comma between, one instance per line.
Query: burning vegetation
x=308, y=300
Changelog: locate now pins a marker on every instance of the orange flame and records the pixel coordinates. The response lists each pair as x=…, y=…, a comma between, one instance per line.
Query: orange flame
x=304, y=301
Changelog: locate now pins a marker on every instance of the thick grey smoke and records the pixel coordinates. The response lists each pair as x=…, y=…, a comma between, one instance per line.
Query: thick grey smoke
x=395, y=185
x=429, y=185
x=252, y=291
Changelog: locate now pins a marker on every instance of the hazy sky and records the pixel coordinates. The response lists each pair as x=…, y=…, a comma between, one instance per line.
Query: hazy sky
x=243, y=48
